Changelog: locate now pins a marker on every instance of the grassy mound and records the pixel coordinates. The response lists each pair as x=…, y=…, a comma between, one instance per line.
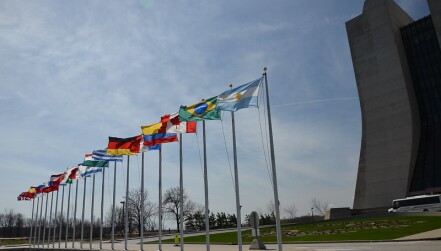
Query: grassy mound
x=344, y=230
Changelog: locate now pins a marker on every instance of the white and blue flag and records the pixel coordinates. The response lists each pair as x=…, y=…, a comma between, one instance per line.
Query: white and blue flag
x=240, y=97
x=91, y=170
x=102, y=155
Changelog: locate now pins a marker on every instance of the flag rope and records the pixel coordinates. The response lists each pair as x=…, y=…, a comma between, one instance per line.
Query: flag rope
x=228, y=156
x=123, y=173
x=263, y=143
x=199, y=151
x=139, y=169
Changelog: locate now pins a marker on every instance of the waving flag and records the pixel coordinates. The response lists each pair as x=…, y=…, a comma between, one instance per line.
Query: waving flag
x=56, y=179
x=25, y=196
x=149, y=148
x=204, y=110
x=91, y=170
x=240, y=97
x=156, y=134
x=40, y=188
x=32, y=190
x=172, y=124
x=71, y=173
x=103, y=156
x=124, y=146
x=159, y=138
x=153, y=129
x=48, y=188
x=90, y=161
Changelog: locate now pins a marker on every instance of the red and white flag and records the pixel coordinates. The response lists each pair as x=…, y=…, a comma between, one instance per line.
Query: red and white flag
x=172, y=124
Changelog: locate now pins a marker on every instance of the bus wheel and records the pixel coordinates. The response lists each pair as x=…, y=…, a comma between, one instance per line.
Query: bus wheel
x=425, y=210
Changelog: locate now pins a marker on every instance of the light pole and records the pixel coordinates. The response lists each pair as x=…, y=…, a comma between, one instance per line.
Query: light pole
x=312, y=213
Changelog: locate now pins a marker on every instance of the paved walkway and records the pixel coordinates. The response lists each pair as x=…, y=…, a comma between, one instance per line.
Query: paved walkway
x=355, y=246
x=434, y=234
x=413, y=242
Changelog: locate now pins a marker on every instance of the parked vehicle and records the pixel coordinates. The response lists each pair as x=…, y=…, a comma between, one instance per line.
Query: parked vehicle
x=422, y=203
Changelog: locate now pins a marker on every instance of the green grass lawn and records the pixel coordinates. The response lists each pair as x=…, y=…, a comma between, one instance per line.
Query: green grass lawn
x=345, y=230
x=4, y=242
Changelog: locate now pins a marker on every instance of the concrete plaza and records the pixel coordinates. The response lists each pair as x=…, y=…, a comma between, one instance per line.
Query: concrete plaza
x=427, y=241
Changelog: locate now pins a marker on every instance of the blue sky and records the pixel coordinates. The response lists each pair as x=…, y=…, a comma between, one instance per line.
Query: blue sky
x=75, y=72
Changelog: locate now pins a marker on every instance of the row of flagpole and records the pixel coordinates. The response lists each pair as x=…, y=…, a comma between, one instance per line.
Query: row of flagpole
x=39, y=212
x=126, y=211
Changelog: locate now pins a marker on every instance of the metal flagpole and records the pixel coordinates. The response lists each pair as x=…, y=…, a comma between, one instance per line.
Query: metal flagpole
x=82, y=215
x=160, y=202
x=207, y=211
x=126, y=216
x=50, y=221
x=61, y=218
x=273, y=167
x=67, y=216
x=75, y=215
x=91, y=212
x=181, y=196
x=39, y=225
x=113, y=208
x=236, y=184
x=102, y=210
x=32, y=221
x=142, y=204
x=36, y=221
x=45, y=218
x=55, y=219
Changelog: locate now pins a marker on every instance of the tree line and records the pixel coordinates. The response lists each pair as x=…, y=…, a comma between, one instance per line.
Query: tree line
x=14, y=224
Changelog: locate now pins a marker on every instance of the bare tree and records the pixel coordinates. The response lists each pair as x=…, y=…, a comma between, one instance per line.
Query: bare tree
x=320, y=206
x=2, y=220
x=270, y=207
x=171, y=204
x=119, y=218
x=19, y=223
x=12, y=224
x=291, y=210
x=135, y=207
x=10, y=220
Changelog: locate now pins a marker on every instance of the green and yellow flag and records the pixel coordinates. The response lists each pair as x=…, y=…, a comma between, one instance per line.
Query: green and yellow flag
x=204, y=110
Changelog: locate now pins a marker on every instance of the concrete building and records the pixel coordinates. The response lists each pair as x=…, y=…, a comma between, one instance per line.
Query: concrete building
x=397, y=65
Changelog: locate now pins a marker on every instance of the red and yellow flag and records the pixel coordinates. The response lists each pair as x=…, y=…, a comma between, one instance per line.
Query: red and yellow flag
x=124, y=146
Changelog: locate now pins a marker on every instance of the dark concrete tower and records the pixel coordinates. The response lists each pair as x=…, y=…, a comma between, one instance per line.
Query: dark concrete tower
x=390, y=114
x=397, y=65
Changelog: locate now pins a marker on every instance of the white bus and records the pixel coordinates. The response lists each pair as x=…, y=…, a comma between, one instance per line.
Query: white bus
x=422, y=203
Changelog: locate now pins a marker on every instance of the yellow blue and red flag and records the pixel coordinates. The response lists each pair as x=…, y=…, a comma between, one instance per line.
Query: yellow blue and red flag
x=156, y=134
